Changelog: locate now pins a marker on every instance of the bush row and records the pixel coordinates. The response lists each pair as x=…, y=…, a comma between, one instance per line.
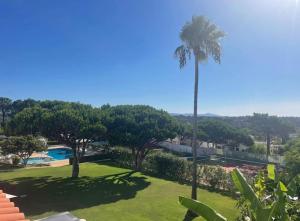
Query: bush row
x=53, y=142
x=167, y=165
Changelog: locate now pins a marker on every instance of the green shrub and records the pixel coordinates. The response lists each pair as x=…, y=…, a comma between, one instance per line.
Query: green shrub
x=52, y=142
x=1, y=130
x=170, y=166
x=258, y=149
x=215, y=177
x=166, y=165
x=122, y=156
x=292, y=157
x=15, y=160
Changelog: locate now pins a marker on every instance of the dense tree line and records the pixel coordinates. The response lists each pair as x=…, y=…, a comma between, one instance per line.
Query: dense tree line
x=216, y=131
x=137, y=127
x=284, y=125
x=262, y=126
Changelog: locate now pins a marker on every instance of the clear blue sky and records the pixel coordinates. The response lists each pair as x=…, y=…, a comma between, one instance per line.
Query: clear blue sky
x=121, y=52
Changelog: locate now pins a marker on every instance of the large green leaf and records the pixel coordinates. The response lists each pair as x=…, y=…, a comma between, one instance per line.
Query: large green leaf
x=245, y=189
x=271, y=171
x=282, y=187
x=260, y=185
x=267, y=213
x=281, y=200
x=201, y=209
x=293, y=185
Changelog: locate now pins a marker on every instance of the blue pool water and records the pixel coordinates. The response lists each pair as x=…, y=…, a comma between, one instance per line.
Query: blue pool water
x=60, y=153
x=38, y=160
x=53, y=154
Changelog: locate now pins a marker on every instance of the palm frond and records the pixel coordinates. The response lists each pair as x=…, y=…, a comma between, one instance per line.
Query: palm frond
x=214, y=49
x=182, y=53
x=202, y=38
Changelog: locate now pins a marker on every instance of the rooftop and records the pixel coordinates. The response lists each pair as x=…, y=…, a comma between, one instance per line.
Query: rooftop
x=8, y=210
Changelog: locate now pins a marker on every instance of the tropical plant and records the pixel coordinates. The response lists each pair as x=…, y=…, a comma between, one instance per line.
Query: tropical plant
x=269, y=200
x=202, y=39
x=201, y=209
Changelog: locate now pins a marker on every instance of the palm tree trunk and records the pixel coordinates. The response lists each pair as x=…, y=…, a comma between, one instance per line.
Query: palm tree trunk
x=194, y=169
x=268, y=146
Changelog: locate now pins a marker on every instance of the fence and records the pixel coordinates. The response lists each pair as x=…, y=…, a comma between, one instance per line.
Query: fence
x=252, y=156
x=203, y=151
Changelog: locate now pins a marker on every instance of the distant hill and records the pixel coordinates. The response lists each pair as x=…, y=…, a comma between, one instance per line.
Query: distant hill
x=238, y=122
x=200, y=115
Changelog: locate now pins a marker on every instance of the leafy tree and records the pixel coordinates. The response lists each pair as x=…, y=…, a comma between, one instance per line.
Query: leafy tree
x=27, y=121
x=222, y=133
x=5, y=108
x=19, y=105
x=51, y=105
x=258, y=148
x=22, y=146
x=288, y=125
x=74, y=124
x=217, y=132
x=186, y=133
x=139, y=128
x=202, y=39
x=59, y=105
x=270, y=126
x=292, y=157
x=74, y=128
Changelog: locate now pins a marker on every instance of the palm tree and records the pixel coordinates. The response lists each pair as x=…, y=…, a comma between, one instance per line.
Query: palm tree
x=202, y=39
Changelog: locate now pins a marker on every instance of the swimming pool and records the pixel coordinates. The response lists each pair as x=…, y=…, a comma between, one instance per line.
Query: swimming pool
x=39, y=160
x=60, y=153
x=51, y=155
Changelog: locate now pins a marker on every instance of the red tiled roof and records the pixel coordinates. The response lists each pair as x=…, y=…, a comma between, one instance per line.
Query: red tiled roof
x=8, y=211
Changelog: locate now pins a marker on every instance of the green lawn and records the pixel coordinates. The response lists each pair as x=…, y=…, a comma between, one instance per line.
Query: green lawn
x=103, y=193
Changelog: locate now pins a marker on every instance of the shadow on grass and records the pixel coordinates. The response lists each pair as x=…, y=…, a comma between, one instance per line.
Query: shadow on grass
x=189, y=216
x=46, y=194
x=8, y=167
x=222, y=192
